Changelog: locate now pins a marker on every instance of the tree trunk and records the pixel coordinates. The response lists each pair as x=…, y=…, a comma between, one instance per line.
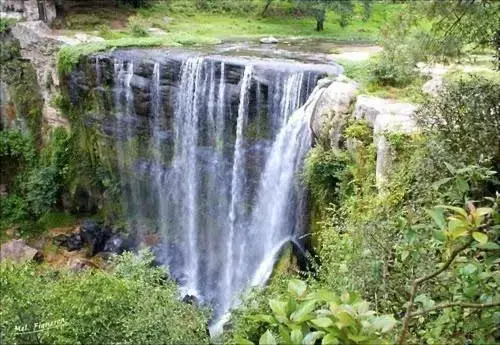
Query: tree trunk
x=320, y=19
x=319, y=24
x=268, y=3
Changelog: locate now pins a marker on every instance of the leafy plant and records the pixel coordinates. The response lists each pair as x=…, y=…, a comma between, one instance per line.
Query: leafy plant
x=467, y=108
x=461, y=229
x=132, y=303
x=299, y=317
x=137, y=27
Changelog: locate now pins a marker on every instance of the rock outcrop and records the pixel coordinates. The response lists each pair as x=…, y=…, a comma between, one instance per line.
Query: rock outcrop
x=385, y=116
x=332, y=110
x=29, y=10
x=19, y=252
x=40, y=47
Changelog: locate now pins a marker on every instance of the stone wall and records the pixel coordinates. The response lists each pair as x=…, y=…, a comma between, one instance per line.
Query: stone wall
x=29, y=10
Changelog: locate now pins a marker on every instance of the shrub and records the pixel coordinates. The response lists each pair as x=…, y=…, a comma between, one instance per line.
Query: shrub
x=299, y=317
x=465, y=119
x=323, y=171
x=394, y=67
x=137, y=27
x=132, y=304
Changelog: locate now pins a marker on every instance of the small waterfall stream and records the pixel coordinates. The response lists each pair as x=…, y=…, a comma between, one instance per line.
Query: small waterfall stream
x=209, y=152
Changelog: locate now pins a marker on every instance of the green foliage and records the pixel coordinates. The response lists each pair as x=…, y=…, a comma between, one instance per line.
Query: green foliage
x=69, y=56
x=359, y=130
x=5, y=23
x=137, y=27
x=458, y=24
x=16, y=145
x=131, y=304
x=394, y=68
x=57, y=219
x=377, y=241
x=301, y=317
x=323, y=170
x=468, y=108
x=39, y=178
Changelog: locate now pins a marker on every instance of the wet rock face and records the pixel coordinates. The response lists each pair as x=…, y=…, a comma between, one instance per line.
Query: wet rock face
x=94, y=235
x=96, y=78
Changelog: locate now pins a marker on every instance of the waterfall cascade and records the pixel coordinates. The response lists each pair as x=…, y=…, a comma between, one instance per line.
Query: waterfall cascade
x=209, y=152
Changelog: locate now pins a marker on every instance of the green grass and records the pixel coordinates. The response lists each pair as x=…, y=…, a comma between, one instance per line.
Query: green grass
x=253, y=25
x=360, y=72
x=5, y=23
x=69, y=55
x=233, y=19
x=57, y=220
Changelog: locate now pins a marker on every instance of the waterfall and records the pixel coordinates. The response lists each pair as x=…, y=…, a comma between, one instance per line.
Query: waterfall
x=209, y=153
x=238, y=179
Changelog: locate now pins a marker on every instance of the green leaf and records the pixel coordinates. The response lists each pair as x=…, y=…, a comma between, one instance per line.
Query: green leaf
x=311, y=338
x=404, y=255
x=324, y=295
x=439, y=235
x=483, y=211
x=480, y=237
x=303, y=313
x=242, y=341
x=267, y=339
x=285, y=335
x=358, y=338
x=457, y=210
x=438, y=216
x=264, y=318
x=441, y=182
x=344, y=320
x=278, y=307
x=457, y=228
x=322, y=322
x=297, y=336
x=330, y=339
x=384, y=323
x=489, y=245
x=297, y=287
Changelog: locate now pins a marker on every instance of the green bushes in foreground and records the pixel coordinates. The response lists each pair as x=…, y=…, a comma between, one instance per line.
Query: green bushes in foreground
x=131, y=304
x=379, y=243
x=301, y=317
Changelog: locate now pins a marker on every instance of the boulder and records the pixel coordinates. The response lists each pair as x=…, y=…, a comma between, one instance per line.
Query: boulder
x=72, y=242
x=117, y=244
x=19, y=252
x=190, y=299
x=269, y=40
x=332, y=110
x=77, y=264
x=385, y=116
x=433, y=87
x=84, y=38
x=95, y=235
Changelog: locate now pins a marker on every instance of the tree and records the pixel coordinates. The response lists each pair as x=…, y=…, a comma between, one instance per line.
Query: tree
x=345, y=9
x=475, y=22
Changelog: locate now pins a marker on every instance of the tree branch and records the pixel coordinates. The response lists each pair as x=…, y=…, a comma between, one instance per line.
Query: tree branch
x=455, y=304
x=417, y=282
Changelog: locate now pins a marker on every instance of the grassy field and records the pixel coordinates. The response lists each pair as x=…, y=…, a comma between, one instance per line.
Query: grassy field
x=176, y=17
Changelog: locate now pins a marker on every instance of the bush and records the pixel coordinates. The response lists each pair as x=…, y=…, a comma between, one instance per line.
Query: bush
x=465, y=119
x=323, y=171
x=394, y=68
x=299, y=317
x=132, y=304
x=38, y=178
x=137, y=27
